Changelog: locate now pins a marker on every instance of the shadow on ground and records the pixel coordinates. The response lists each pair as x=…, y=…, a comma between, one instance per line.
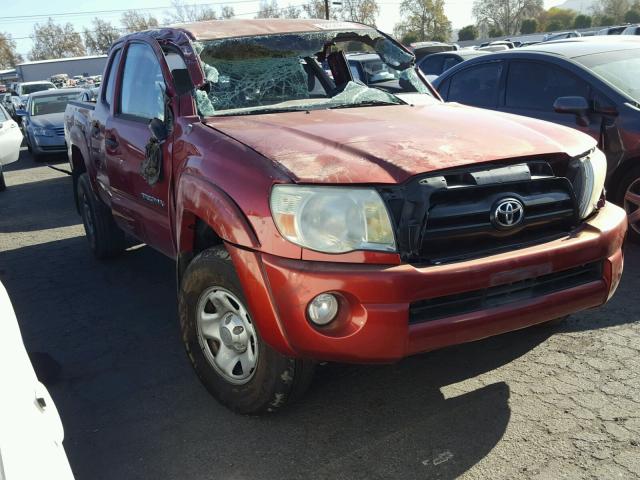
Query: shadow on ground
x=133, y=408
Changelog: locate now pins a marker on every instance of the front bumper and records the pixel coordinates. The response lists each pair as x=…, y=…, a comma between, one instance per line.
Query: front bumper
x=373, y=323
x=43, y=145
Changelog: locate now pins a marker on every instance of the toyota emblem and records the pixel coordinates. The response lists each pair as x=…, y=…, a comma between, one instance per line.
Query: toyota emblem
x=508, y=213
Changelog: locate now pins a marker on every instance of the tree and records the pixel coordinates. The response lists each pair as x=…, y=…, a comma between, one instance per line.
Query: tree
x=363, y=11
x=614, y=10
x=51, y=40
x=9, y=57
x=470, y=32
x=632, y=16
x=227, y=12
x=582, y=21
x=529, y=25
x=495, y=32
x=291, y=11
x=425, y=18
x=315, y=9
x=98, y=40
x=505, y=15
x=561, y=18
x=268, y=9
x=409, y=38
x=604, y=21
x=180, y=12
x=133, y=21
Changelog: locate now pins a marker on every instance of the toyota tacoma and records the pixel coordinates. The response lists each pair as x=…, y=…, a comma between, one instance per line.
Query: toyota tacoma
x=313, y=217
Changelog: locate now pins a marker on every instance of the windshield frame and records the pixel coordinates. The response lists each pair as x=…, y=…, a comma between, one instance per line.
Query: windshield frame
x=393, y=55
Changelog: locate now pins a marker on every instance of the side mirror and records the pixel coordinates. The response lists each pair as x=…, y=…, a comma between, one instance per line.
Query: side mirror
x=576, y=105
x=21, y=113
x=158, y=130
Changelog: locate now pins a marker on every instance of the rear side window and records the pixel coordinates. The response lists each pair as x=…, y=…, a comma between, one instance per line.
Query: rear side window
x=535, y=86
x=477, y=85
x=142, y=92
x=432, y=65
x=111, y=77
x=449, y=62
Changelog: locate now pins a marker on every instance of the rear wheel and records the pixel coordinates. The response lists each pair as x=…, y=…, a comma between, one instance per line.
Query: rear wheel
x=628, y=197
x=104, y=236
x=224, y=344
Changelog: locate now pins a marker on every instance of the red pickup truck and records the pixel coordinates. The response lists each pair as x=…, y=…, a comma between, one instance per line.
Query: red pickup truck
x=315, y=214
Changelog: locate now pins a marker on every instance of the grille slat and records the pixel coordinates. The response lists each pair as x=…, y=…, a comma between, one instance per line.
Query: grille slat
x=448, y=217
x=492, y=297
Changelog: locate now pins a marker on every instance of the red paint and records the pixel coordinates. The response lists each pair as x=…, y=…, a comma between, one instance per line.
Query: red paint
x=221, y=171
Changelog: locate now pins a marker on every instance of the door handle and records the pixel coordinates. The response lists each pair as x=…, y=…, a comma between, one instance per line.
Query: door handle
x=111, y=143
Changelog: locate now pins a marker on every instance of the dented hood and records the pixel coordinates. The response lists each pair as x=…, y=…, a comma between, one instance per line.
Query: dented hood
x=389, y=144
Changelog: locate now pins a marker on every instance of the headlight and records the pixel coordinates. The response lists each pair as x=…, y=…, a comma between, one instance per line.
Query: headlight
x=332, y=219
x=587, y=174
x=42, y=132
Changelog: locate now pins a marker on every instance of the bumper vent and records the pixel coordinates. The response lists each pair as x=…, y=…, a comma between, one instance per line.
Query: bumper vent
x=467, y=302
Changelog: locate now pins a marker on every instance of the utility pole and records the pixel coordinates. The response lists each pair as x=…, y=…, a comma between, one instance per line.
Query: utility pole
x=326, y=9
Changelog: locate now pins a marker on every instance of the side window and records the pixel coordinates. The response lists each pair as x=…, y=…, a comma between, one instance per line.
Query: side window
x=477, y=85
x=142, y=84
x=535, y=86
x=111, y=77
x=432, y=65
x=3, y=114
x=449, y=62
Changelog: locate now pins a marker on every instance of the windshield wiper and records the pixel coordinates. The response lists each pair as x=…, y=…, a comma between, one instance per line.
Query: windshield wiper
x=262, y=111
x=366, y=104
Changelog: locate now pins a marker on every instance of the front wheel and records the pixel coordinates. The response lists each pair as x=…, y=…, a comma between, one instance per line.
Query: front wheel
x=3, y=185
x=224, y=345
x=627, y=195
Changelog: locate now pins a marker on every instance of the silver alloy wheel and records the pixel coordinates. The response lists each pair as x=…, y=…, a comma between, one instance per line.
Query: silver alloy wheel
x=632, y=205
x=226, y=335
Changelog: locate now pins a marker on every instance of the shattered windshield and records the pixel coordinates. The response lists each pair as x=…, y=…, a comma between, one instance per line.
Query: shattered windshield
x=303, y=71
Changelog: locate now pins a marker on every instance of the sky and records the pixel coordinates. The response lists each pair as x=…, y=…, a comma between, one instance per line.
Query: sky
x=458, y=11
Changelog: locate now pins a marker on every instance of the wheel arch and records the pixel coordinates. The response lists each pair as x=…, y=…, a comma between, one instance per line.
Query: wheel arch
x=619, y=173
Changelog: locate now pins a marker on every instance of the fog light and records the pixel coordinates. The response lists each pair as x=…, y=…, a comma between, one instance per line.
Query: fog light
x=323, y=308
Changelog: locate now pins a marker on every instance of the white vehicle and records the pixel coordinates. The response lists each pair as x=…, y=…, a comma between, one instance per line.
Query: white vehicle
x=24, y=89
x=30, y=428
x=10, y=140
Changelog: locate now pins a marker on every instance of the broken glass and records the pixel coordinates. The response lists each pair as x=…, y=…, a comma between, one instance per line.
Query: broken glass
x=290, y=72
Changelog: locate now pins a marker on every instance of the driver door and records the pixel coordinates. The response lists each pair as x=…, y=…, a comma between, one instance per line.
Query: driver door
x=127, y=134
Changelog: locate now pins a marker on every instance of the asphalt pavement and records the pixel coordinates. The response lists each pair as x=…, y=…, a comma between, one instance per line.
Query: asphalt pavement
x=558, y=402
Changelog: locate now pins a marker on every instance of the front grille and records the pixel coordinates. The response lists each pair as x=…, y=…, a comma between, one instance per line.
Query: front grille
x=52, y=148
x=467, y=302
x=450, y=216
x=59, y=131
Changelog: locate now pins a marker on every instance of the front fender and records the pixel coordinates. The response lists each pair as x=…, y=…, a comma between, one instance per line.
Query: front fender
x=197, y=197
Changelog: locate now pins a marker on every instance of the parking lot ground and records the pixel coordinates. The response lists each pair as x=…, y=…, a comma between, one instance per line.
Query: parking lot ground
x=558, y=402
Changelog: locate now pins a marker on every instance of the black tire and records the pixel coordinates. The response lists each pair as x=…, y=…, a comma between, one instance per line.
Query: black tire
x=105, y=238
x=276, y=380
x=630, y=177
x=3, y=185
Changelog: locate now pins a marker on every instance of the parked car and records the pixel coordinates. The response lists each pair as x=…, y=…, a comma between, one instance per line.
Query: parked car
x=90, y=95
x=612, y=30
x=60, y=80
x=7, y=103
x=421, y=49
x=10, y=140
x=369, y=68
x=436, y=63
x=31, y=435
x=43, y=121
x=314, y=218
x=592, y=85
x=549, y=37
x=631, y=30
x=3, y=88
x=23, y=90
